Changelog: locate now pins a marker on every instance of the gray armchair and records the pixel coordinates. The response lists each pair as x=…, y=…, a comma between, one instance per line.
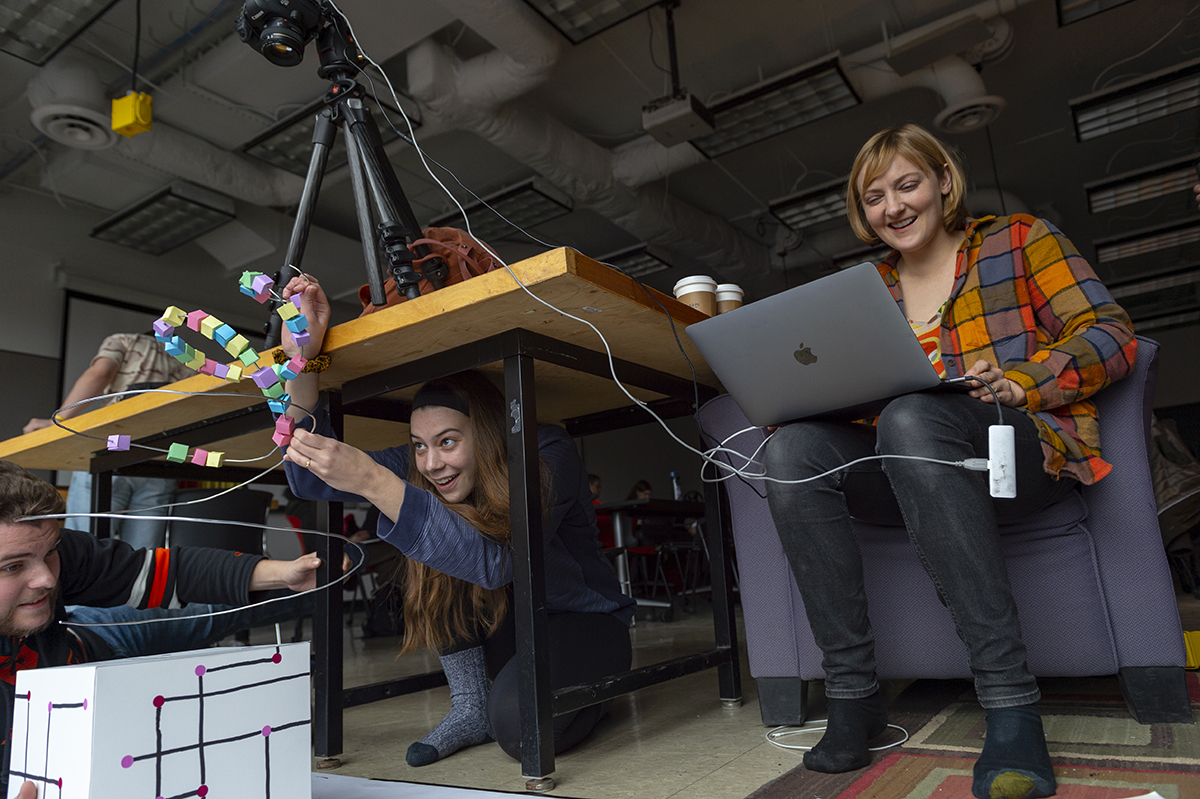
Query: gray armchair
x=1091, y=580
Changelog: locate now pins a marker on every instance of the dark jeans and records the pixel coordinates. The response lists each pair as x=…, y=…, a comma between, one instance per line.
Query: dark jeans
x=950, y=517
x=583, y=648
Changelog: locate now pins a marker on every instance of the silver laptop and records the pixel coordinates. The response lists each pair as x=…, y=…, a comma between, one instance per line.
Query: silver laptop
x=836, y=348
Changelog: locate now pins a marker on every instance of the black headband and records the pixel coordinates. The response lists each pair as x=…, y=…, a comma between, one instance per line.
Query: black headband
x=440, y=397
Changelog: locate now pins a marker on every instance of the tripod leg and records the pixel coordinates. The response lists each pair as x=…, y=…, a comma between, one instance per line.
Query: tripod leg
x=363, y=211
x=323, y=134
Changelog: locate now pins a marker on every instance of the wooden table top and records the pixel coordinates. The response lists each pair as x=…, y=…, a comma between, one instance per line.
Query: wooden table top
x=635, y=326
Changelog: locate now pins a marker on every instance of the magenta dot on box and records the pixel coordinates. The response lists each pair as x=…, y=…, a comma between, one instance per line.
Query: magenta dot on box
x=266, y=730
x=49, y=707
x=127, y=761
x=85, y=704
x=202, y=790
x=158, y=701
x=200, y=671
x=276, y=657
x=60, y=783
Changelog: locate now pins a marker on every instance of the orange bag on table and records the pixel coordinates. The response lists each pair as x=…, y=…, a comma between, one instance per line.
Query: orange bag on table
x=465, y=256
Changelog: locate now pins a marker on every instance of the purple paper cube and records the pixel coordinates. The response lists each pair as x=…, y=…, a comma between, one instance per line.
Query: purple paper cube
x=261, y=283
x=162, y=330
x=300, y=338
x=118, y=443
x=265, y=378
x=220, y=370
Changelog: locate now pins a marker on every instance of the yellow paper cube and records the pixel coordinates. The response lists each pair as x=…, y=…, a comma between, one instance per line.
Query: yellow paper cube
x=132, y=114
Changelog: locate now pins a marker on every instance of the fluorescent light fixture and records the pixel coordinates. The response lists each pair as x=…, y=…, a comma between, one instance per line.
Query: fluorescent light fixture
x=1145, y=184
x=34, y=30
x=786, y=101
x=1074, y=10
x=1137, y=101
x=812, y=206
x=288, y=144
x=581, y=19
x=1141, y=242
x=637, y=261
x=167, y=218
x=526, y=204
x=870, y=254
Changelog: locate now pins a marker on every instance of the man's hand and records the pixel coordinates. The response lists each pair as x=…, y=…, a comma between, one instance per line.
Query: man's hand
x=298, y=575
x=28, y=791
x=36, y=424
x=1007, y=391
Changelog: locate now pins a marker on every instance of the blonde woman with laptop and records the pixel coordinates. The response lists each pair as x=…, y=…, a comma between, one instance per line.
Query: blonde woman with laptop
x=1010, y=301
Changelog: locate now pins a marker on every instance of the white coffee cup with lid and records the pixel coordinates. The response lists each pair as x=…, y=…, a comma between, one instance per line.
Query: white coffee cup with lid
x=729, y=296
x=699, y=292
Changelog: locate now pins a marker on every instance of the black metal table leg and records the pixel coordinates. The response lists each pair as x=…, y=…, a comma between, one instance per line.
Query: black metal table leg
x=102, y=503
x=529, y=577
x=729, y=677
x=327, y=623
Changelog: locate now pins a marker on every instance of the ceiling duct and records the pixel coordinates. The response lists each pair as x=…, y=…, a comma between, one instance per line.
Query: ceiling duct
x=69, y=105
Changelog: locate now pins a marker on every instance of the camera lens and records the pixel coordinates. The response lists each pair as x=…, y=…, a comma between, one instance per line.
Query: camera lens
x=282, y=43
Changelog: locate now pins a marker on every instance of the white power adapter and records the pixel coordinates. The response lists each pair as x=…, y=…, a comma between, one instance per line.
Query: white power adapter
x=1002, y=461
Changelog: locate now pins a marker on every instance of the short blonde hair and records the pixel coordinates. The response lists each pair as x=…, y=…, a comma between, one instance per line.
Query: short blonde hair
x=923, y=149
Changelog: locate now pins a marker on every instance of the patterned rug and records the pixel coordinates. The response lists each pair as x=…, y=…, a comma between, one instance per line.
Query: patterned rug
x=1099, y=751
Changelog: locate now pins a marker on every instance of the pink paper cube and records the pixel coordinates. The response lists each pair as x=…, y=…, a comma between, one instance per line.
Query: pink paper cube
x=195, y=318
x=201, y=457
x=281, y=439
x=209, y=368
x=285, y=424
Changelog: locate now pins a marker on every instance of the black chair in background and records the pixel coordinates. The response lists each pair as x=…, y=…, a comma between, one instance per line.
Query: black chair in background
x=239, y=505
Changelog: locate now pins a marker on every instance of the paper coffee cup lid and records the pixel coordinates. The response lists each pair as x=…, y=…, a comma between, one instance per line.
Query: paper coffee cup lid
x=699, y=281
x=730, y=287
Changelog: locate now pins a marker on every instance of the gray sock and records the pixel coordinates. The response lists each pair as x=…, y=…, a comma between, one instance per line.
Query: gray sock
x=466, y=723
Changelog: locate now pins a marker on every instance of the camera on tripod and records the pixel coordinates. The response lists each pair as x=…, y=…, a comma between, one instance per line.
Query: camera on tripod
x=280, y=30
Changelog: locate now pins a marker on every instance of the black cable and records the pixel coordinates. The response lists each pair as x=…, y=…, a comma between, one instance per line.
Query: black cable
x=985, y=384
x=137, y=42
x=650, y=42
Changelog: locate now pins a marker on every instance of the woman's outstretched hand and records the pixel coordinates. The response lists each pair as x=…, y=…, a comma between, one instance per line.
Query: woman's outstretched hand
x=346, y=468
x=315, y=307
x=1007, y=391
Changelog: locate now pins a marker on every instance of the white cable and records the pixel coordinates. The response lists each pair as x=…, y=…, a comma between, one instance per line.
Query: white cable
x=608, y=351
x=362, y=552
x=780, y=732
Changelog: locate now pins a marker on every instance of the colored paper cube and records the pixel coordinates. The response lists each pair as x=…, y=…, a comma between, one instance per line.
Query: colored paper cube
x=249, y=356
x=215, y=460
x=286, y=311
x=285, y=424
x=234, y=374
x=174, y=316
x=265, y=378
x=196, y=362
x=174, y=346
x=300, y=338
x=237, y=345
x=195, y=318
x=292, y=369
x=177, y=453
x=279, y=405
x=201, y=457
x=220, y=370
x=296, y=300
x=208, y=367
x=118, y=443
x=274, y=392
x=297, y=323
x=209, y=326
x=247, y=279
x=262, y=283
x=163, y=330
x=223, y=334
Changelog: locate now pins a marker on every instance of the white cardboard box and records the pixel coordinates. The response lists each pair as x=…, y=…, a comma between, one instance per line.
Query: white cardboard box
x=219, y=723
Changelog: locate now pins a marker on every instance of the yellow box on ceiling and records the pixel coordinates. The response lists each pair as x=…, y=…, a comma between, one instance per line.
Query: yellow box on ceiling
x=132, y=114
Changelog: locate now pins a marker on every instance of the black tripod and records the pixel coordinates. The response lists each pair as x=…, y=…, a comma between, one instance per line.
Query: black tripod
x=370, y=173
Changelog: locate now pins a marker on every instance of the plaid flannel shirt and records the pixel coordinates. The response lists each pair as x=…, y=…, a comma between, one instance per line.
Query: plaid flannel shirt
x=1024, y=299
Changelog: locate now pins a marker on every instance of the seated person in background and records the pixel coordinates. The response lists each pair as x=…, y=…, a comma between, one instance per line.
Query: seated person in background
x=43, y=568
x=641, y=490
x=1008, y=300
x=596, y=485
x=443, y=501
x=650, y=530
x=124, y=361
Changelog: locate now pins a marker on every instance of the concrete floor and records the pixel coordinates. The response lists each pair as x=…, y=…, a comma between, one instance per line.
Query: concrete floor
x=670, y=740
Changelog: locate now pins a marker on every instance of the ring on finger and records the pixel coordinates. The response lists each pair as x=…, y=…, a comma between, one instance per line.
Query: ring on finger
x=308, y=463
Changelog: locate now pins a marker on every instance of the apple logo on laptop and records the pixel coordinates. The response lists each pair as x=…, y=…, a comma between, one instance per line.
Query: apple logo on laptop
x=804, y=355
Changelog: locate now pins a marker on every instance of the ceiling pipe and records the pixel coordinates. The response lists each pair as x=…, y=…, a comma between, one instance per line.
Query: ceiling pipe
x=473, y=95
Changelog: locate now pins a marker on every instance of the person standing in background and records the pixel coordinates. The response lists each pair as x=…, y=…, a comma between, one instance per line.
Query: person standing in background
x=125, y=361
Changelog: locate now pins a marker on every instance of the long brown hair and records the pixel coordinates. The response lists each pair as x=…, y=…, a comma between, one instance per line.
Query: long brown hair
x=438, y=608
